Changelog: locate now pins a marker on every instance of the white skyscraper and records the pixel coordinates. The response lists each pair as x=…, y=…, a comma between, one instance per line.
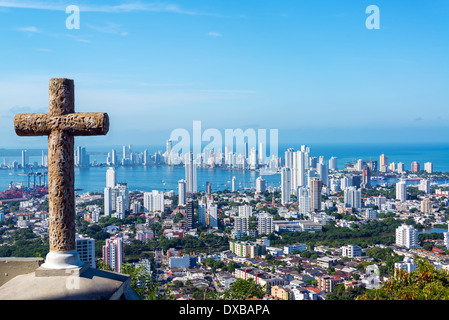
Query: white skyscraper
x=401, y=191
x=120, y=207
x=261, y=154
x=213, y=215
x=241, y=226
x=352, y=198
x=113, y=157
x=424, y=186
x=25, y=158
x=123, y=191
x=289, y=158
x=153, y=201
x=323, y=173
x=245, y=211
x=345, y=182
x=298, y=170
x=304, y=200
x=108, y=201
x=428, y=167
x=261, y=185
x=234, y=184
x=285, y=185
x=85, y=247
x=406, y=236
x=182, y=193
x=333, y=163
x=202, y=211
x=111, y=178
x=253, y=158
x=265, y=223
x=190, y=168
x=168, y=152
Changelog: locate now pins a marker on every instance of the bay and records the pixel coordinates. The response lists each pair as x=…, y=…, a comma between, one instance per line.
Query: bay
x=93, y=179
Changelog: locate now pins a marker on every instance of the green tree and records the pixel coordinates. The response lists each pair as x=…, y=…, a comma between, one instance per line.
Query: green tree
x=141, y=281
x=241, y=289
x=424, y=283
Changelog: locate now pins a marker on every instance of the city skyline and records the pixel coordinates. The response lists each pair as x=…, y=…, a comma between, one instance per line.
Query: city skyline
x=312, y=71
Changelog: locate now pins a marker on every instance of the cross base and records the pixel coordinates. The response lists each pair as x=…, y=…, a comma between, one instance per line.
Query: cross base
x=62, y=260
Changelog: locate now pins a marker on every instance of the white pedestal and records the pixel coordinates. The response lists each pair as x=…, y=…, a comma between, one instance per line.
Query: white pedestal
x=62, y=260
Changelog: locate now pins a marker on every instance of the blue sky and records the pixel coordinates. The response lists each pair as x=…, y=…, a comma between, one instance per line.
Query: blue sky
x=310, y=69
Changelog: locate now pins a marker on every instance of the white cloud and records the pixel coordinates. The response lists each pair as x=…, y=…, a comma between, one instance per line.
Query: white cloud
x=29, y=29
x=214, y=34
x=110, y=28
x=124, y=7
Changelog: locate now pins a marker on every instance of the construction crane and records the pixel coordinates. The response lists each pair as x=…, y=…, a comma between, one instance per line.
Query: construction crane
x=39, y=175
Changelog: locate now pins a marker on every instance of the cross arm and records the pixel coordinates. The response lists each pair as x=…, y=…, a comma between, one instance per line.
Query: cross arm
x=76, y=124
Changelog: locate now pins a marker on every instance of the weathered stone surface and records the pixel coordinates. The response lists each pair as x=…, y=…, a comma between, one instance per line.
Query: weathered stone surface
x=76, y=124
x=61, y=124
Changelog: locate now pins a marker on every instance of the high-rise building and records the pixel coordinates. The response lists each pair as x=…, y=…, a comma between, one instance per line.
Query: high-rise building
x=315, y=187
x=123, y=191
x=120, y=207
x=189, y=215
x=352, y=198
x=323, y=173
x=400, y=167
x=234, y=184
x=333, y=163
x=289, y=158
x=114, y=157
x=168, y=152
x=85, y=247
x=285, y=185
x=108, y=201
x=25, y=158
x=426, y=206
x=304, y=200
x=261, y=185
x=208, y=188
x=190, y=169
x=424, y=185
x=345, y=182
x=401, y=191
x=113, y=252
x=415, y=166
x=182, y=194
x=81, y=157
x=153, y=201
x=366, y=177
x=428, y=167
x=111, y=178
x=406, y=236
x=265, y=223
x=298, y=170
x=383, y=163
x=212, y=216
x=245, y=211
x=241, y=226
x=202, y=211
x=253, y=158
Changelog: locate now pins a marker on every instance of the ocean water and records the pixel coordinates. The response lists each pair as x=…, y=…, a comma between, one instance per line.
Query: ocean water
x=165, y=178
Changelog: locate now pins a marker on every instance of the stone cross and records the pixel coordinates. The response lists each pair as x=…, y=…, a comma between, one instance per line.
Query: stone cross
x=61, y=125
